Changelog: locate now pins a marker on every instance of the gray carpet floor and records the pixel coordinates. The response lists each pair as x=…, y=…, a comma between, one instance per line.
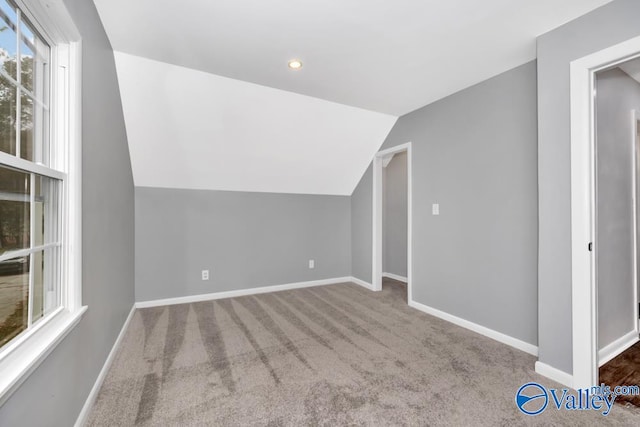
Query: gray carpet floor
x=325, y=356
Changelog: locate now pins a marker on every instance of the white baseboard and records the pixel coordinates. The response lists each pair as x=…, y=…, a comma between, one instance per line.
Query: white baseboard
x=498, y=336
x=554, y=374
x=361, y=283
x=395, y=277
x=88, y=404
x=618, y=346
x=241, y=292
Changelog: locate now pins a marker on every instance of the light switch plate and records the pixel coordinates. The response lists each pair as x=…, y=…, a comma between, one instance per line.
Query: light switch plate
x=435, y=209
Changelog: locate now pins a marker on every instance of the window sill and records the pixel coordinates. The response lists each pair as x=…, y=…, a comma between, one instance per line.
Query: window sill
x=16, y=367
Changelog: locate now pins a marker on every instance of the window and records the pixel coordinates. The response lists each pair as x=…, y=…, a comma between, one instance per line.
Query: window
x=39, y=184
x=29, y=201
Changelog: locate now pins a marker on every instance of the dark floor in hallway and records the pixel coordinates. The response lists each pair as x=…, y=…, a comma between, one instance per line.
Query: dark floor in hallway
x=623, y=370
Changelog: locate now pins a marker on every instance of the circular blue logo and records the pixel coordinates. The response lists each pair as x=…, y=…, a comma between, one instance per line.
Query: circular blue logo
x=532, y=398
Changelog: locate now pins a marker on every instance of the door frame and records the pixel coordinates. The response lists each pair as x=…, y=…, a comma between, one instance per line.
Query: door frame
x=635, y=137
x=583, y=213
x=376, y=242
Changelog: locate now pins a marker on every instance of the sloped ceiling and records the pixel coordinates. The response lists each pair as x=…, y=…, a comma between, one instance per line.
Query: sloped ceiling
x=191, y=129
x=244, y=121
x=392, y=56
x=632, y=68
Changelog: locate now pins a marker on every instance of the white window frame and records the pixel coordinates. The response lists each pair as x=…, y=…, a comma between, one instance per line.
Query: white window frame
x=21, y=356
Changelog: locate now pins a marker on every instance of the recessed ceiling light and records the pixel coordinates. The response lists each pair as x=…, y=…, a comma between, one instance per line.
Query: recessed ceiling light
x=295, y=64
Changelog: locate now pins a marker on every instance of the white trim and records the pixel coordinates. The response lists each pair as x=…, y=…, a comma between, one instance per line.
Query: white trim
x=74, y=185
x=395, y=277
x=583, y=265
x=361, y=283
x=240, y=292
x=618, y=346
x=15, y=344
x=53, y=19
x=376, y=220
x=93, y=394
x=17, y=365
x=582, y=210
x=482, y=330
x=635, y=132
x=376, y=240
x=555, y=374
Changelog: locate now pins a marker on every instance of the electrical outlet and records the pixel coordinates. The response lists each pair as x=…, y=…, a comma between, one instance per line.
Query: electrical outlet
x=312, y=263
x=205, y=274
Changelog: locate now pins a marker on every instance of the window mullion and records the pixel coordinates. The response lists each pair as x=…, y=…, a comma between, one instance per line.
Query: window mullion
x=12, y=161
x=32, y=234
x=26, y=252
x=27, y=92
x=18, y=90
x=18, y=122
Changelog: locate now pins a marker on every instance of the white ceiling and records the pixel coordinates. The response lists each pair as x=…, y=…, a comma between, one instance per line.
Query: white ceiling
x=382, y=55
x=191, y=129
x=210, y=103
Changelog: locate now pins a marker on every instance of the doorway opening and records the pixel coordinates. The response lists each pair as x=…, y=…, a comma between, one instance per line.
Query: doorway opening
x=598, y=248
x=616, y=116
x=391, y=262
x=394, y=223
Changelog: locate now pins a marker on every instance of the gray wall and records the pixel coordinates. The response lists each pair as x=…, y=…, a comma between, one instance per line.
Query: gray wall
x=245, y=240
x=54, y=394
x=617, y=95
x=394, y=217
x=606, y=26
x=474, y=153
x=362, y=227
